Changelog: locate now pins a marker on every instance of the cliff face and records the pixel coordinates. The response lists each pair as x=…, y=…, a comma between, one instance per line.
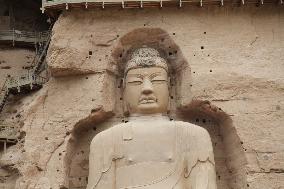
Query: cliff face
x=22, y=15
x=236, y=60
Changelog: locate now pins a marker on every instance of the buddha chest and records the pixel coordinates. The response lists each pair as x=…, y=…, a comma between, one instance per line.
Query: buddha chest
x=149, y=155
x=149, y=143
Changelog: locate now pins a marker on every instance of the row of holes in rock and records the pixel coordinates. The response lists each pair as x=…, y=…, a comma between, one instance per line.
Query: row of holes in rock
x=209, y=71
x=170, y=53
x=5, y=67
x=162, y=40
x=198, y=120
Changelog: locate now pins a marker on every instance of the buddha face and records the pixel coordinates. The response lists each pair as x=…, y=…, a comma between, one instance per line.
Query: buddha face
x=146, y=90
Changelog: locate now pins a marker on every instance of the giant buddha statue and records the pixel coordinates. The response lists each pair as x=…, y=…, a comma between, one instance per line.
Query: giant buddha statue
x=150, y=151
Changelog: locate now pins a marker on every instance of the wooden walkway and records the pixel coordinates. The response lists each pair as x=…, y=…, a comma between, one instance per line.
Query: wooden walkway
x=8, y=135
x=88, y=4
x=15, y=37
x=22, y=84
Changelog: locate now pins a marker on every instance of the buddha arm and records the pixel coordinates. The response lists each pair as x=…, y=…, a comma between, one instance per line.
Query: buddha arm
x=201, y=171
x=202, y=176
x=101, y=171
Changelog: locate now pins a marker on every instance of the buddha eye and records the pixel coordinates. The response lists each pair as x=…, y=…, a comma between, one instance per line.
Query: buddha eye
x=158, y=81
x=135, y=82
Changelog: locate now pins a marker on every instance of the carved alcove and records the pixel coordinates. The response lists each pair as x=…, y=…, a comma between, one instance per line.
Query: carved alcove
x=76, y=159
x=229, y=156
x=228, y=152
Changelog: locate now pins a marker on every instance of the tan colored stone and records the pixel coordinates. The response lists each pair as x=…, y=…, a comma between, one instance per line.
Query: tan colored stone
x=150, y=151
x=239, y=69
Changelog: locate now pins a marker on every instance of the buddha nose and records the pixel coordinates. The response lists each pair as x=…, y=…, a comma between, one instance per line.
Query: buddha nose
x=147, y=87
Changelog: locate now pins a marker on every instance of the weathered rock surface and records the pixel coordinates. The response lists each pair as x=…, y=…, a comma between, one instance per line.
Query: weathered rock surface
x=236, y=59
x=14, y=62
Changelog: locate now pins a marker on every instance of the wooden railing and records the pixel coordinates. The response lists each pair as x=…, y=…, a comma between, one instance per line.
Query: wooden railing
x=8, y=132
x=29, y=81
x=39, y=60
x=4, y=94
x=67, y=4
x=18, y=84
x=23, y=36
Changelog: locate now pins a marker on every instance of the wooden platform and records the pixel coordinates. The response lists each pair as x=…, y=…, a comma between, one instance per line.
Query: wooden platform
x=22, y=84
x=91, y=4
x=22, y=38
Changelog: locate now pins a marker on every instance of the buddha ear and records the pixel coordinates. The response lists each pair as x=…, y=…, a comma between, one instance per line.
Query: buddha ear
x=171, y=101
x=124, y=103
x=125, y=109
x=169, y=96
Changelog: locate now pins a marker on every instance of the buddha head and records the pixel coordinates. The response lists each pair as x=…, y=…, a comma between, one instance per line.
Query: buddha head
x=146, y=88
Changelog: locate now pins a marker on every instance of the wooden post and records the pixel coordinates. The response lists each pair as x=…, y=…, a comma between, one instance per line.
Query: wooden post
x=5, y=147
x=18, y=85
x=13, y=37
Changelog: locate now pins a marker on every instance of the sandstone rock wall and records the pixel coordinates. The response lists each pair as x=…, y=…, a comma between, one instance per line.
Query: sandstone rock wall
x=236, y=60
x=234, y=54
x=14, y=62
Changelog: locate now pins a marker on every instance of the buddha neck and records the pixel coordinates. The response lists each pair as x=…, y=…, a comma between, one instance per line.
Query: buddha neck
x=152, y=117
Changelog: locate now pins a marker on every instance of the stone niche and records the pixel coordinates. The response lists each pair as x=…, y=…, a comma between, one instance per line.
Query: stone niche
x=228, y=152
x=233, y=61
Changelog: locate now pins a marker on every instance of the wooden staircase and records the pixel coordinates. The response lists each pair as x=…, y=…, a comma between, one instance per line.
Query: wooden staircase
x=8, y=135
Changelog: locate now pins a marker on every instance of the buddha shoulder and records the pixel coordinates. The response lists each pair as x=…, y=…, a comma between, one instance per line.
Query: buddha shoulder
x=197, y=141
x=192, y=129
x=110, y=133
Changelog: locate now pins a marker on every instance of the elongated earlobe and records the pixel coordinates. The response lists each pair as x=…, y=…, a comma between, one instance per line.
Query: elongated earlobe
x=171, y=100
x=125, y=109
x=123, y=83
